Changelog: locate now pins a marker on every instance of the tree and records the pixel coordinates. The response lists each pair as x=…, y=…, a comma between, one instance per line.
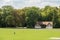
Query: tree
x=1, y=17
x=31, y=17
x=47, y=13
x=7, y=16
x=28, y=16
x=57, y=18
x=20, y=17
x=50, y=14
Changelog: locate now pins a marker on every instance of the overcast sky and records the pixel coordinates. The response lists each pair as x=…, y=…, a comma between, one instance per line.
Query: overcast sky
x=28, y=3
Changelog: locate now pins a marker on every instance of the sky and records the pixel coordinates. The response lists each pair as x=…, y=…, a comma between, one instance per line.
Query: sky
x=29, y=3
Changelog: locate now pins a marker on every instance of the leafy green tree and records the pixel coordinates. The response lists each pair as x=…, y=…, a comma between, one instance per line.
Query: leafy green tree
x=28, y=16
x=57, y=18
x=31, y=17
x=50, y=14
x=7, y=15
x=20, y=17
x=47, y=13
x=1, y=17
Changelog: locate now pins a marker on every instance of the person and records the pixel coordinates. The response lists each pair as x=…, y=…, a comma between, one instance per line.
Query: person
x=14, y=33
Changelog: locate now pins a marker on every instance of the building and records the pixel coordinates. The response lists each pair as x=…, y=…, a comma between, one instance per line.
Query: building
x=44, y=24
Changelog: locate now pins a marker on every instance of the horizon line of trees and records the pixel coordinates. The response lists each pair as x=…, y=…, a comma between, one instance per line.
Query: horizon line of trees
x=28, y=16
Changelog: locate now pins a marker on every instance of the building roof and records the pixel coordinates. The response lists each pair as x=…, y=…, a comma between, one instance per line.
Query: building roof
x=45, y=22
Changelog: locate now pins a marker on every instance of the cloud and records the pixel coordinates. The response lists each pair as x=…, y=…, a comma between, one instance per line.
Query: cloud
x=43, y=4
x=6, y=0
x=28, y=3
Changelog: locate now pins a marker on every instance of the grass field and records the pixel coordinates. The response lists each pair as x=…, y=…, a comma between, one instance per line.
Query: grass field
x=28, y=34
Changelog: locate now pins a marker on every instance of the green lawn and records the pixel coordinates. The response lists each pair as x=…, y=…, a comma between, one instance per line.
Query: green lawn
x=28, y=34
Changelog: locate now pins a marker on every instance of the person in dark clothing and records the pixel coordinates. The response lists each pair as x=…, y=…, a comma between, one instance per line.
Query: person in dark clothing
x=14, y=33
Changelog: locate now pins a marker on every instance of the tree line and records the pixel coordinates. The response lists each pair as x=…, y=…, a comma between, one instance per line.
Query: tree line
x=28, y=16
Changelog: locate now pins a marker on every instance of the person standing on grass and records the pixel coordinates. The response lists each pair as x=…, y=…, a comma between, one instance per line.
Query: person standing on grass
x=14, y=33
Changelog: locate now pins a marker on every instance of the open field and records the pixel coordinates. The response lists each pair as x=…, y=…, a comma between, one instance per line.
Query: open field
x=28, y=34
